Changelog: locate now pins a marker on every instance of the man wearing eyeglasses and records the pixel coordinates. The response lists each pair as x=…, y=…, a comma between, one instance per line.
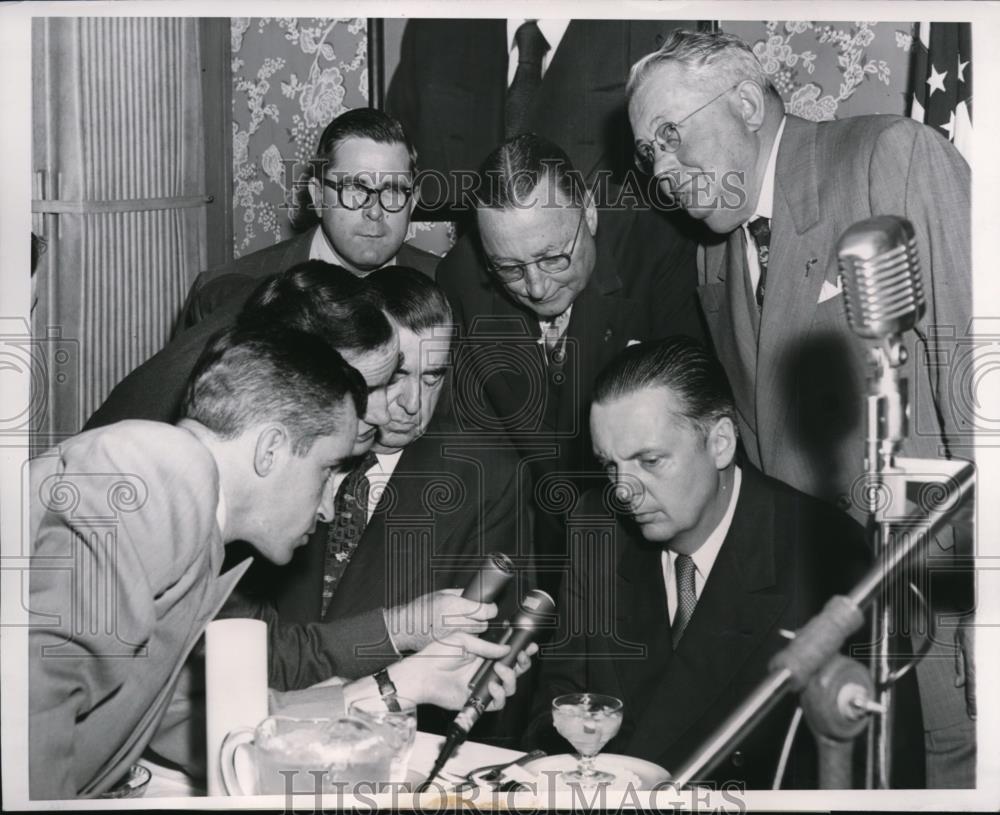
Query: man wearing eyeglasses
x=354, y=211
x=713, y=130
x=554, y=290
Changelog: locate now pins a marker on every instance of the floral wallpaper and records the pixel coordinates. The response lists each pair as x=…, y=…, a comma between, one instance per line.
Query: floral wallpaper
x=291, y=76
x=827, y=70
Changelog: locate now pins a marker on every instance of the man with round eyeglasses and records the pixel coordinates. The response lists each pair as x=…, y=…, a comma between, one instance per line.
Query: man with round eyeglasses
x=780, y=191
x=352, y=210
x=554, y=289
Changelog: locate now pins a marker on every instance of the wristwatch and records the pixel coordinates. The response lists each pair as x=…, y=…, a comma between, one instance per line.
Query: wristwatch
x=387, y=689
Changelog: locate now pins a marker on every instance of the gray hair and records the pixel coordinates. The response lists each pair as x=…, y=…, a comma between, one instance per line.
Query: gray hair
x=722, y=60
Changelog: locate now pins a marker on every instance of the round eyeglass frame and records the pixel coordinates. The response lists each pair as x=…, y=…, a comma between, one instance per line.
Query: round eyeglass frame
x=667, y=137
x=371, y=195
x=550, y=264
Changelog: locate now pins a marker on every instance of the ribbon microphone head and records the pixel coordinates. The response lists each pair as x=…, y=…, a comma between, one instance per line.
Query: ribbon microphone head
x=880, y=275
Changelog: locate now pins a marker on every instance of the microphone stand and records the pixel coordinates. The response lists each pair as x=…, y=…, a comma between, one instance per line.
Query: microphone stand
x=819, y=641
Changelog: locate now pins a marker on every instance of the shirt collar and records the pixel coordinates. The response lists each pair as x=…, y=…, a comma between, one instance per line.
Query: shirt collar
x=320, y=249
x=220, y=512
x=552, y=30
x=765, y=201
x=704, y=557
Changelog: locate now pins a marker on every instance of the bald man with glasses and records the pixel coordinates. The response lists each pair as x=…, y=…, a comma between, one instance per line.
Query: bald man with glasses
x=552, y=289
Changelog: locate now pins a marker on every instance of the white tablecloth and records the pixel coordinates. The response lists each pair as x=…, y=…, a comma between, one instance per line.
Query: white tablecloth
x=470, y=755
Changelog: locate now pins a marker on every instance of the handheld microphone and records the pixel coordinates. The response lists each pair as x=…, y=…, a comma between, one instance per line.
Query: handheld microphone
x=880, y=275
x=537, y=607
x=487, y=584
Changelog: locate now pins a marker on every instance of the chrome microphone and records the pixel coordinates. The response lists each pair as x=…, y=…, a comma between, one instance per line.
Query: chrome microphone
x=537, y=608
x=880, y=275
x=491, y=578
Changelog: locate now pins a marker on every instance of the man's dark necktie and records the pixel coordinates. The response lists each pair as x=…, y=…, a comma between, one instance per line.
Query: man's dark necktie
x=531, y=48
x=350, y=515
x=686, y=598
x=760, y=231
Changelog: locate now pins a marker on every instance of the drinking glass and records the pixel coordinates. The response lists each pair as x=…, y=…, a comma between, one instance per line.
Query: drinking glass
x=398, y=728
x=588, y=721
x=306, y=756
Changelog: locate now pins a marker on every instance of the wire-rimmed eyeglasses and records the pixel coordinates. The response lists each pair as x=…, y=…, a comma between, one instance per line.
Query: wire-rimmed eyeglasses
x=667, y=137
x=352, y=194
x=550, y=264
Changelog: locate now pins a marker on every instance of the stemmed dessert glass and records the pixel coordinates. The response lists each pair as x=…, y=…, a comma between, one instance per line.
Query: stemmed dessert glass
x=588, y=721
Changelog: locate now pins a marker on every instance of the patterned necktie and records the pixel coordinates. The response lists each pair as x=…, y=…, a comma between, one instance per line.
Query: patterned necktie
x=686, y=597
x=531, y=49
x=760, y=231
x=552, y=334
x=350, y=515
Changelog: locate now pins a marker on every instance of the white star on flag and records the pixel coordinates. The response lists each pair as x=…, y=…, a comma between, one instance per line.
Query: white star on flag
x=950, y=127
x=961, y=70
x=936, y=80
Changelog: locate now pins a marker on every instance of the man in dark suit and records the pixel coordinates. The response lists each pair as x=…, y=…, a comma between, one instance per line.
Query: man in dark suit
x=781, y=190
x=435, y=503
x=550, y=292
x=680, y=586
x=463, y=86
x=353, y=211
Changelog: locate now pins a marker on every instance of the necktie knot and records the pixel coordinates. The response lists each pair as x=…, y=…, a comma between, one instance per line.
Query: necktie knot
x=760, y=230
x=531, y=49
x=531, y=43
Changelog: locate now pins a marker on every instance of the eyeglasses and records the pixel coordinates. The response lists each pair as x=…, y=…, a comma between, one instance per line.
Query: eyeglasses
x=550, y=264
x=355, y=195
x=667, y=137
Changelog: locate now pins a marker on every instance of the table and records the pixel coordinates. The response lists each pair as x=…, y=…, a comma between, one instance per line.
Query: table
x=168, y=782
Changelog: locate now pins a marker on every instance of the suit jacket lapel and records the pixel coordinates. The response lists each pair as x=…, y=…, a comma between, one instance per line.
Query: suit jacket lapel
x=800, y=248
x=734, y=615
x=641, y=617
x=589, y=51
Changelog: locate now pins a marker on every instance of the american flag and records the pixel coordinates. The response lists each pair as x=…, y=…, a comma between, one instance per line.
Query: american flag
x=942, y=80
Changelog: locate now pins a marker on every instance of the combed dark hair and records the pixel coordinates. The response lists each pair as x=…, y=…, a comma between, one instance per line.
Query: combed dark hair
x=513, y=171
x=364, y=123
x=322, y=299
x=684, y=365
x=411, y=298
x=250, y=375
x=360, y=123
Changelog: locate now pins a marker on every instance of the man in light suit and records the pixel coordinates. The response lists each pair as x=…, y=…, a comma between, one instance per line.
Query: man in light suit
x=780, y=191
x=454, y=85
x=546, y=294
x=685, y=573
x=353, y=211
x=269, y=415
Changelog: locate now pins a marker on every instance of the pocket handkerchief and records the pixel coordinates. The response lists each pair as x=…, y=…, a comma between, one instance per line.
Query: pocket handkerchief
x=829, y=291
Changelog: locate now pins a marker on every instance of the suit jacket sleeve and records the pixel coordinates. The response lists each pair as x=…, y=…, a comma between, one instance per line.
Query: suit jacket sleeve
x=935, y=197
x=302, y=654
x=670, y=254
x=150, y=553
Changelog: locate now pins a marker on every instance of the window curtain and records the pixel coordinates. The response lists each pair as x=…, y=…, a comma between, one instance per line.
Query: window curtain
x=118, y=154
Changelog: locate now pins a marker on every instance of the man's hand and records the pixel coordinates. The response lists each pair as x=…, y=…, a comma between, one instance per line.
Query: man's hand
x=436, y=616
x=965, y=662
x=440, y=673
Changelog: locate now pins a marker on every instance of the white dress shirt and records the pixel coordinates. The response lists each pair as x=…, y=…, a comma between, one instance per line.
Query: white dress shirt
x=765, y=206
x=552, y=30
x=705, y=557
